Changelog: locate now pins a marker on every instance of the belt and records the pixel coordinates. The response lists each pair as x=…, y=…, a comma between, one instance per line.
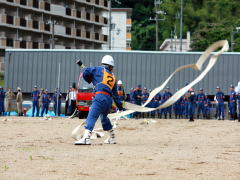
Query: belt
x=102, y=92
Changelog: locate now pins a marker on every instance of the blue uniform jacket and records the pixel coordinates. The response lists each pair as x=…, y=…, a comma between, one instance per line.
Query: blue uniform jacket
x=2, y=95
x=35, y=95
x=233, y=97
x=201, y=98
x=46, y=99
x=166, y=96
x=102, y=79
x=220, y=97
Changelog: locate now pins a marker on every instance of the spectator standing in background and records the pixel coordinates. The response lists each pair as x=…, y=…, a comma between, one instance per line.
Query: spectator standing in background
x=19, y=100
x=35, y=97
x=9, y=100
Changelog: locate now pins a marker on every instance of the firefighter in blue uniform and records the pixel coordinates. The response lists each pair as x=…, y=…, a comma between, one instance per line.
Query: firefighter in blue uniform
x=238, y=97
x=220, y=103
x=105, y=89
x=131, y=95
x=35, y=101
x=232, y=103
x=207, y=104
x=158, y=98
x=46, y=99
x=168, y=110
x=57, y=97
x=2, y=97
x=201, y=98
x=145, y=95
x=137, y=96
x=191, y=104
x=121, y=92
x=177, y=108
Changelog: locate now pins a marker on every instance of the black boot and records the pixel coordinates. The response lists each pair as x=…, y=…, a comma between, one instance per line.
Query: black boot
x=191, y=119
x=165, y=116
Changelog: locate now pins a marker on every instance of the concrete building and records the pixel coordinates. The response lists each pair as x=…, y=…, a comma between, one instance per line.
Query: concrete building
x=174, y=44
x=121, y=29
x=60, y=24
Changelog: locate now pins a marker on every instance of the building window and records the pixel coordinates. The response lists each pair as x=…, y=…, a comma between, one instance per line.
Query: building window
x=105, y=38
x=23, y=22
x=47, y=27
x=23, y=44
x=47, y=6
x=88, y=1
x=88, y=34
x=9, y=42
x=97, y=2
x=96, y=18
x=105, y=3
x=68, y=11
x=9, y=19
x=67, y=47
x=46, y=46
x=96, y=36
x=105, y=20
x=79, y=14
x=23, y=2
x=88, y=16
x=35, y=24
x=35, y=3
x=128, y=29
x=35, y=45
x=78, y=33
x=128, y=44
x=68, y=31
x=9, y=0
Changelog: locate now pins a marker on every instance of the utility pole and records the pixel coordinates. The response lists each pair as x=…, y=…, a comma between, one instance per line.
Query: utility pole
x=181, y=25
x=110, y=24
x=157, y=12
x=156, y=16
x=232, y=37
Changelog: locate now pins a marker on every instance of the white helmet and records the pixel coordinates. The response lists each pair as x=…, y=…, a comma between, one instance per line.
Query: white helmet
x=119, y=82
x=107, y=59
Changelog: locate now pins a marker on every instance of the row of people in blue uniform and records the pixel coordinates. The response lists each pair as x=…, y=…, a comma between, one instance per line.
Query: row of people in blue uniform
x=45, y=99
x=186, y=106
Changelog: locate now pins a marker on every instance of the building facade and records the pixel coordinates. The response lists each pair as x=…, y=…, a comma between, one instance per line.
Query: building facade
x=45, y=24
x=121, y=29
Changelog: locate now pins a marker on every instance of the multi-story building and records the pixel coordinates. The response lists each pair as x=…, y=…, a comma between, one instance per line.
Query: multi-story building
x=44, y=24
x=121, y=29
x=70, y=24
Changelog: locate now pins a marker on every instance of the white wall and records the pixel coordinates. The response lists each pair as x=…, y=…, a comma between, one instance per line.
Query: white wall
x=118, y=36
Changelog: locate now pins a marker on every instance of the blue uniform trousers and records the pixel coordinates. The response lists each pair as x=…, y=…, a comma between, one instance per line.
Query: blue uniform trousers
x=35, y=106
x=1, y=108
x=232, y=108
x=44, y=109
x=201, y=108
x=220, y=109
x=57, y=112
x=191, y=109
x=101, y=106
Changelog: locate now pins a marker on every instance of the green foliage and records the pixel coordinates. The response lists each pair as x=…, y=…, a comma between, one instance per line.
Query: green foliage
x=207, y=20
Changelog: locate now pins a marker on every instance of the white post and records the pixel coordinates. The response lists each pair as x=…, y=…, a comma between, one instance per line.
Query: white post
x=59, y=70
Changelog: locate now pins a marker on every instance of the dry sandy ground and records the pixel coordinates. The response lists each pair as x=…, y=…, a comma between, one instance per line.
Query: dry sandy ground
x=32, y=148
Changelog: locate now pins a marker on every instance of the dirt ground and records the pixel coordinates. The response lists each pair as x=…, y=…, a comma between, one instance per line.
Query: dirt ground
x=33, y=148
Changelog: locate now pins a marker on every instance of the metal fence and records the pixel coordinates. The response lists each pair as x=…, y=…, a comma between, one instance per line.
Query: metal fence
x=26, y=68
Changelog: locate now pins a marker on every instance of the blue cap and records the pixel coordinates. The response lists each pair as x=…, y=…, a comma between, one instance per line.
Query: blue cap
x=35, y=86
